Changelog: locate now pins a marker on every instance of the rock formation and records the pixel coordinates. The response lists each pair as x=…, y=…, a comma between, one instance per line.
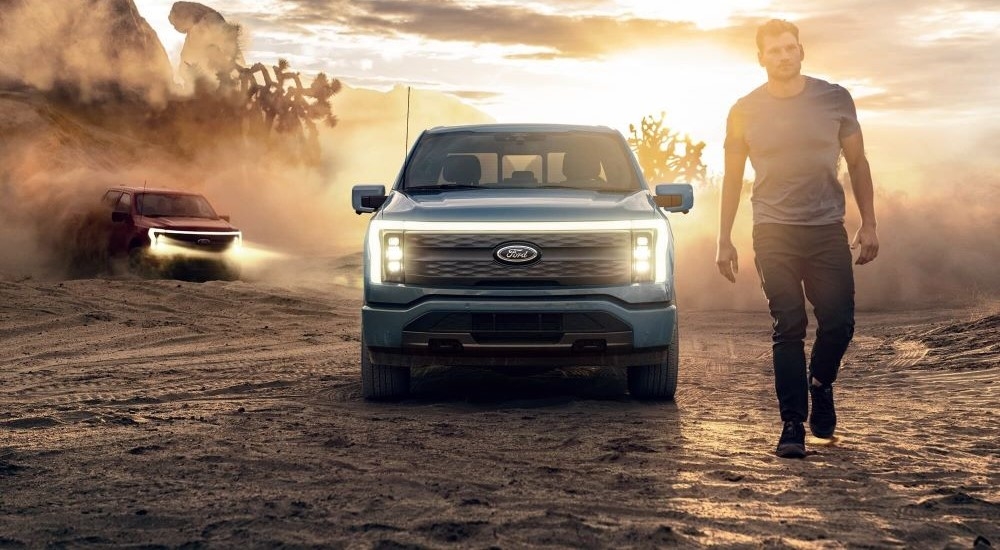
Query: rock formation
x=212, y=45
x=88, y=49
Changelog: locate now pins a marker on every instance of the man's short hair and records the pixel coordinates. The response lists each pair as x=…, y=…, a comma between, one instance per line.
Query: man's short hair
x=775, y=27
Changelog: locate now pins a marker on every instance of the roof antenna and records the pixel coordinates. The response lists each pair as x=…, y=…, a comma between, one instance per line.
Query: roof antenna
x=142, y=205
x=406, y=143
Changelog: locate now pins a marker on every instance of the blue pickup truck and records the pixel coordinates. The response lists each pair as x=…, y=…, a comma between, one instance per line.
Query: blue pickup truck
x=519, y=246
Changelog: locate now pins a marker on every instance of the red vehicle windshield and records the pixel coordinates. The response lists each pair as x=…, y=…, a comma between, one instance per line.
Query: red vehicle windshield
x=182, y=206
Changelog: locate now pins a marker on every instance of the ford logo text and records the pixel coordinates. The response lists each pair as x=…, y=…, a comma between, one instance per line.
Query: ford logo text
x=516, y=254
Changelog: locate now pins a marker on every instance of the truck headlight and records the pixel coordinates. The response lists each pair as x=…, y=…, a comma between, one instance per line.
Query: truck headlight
x=392, y=257
x=237, y=247
x=156, y=245
x=643, y=247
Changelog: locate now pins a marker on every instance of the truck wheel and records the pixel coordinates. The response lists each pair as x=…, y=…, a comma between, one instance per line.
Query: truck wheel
x=228, y=272
x=656, y=381
x=382, y=382
x=140, y=264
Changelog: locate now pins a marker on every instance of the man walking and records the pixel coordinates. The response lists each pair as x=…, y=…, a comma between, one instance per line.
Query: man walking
x=793, y=129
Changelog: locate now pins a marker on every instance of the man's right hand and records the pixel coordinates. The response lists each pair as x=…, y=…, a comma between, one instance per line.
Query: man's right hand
x=727, y=260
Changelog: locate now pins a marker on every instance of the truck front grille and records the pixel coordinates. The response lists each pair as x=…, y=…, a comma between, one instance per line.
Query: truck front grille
x=566, y=258
x=207, y=242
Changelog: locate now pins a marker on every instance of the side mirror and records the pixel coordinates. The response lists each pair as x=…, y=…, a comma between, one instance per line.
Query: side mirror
x=118, y=217
x=224, y=217
x=675, y=197
x=367, y=198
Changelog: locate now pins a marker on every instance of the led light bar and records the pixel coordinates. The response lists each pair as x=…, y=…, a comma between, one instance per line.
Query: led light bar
x=393, y=258
x=159, y=245
x=642, y=256
x=379, y=230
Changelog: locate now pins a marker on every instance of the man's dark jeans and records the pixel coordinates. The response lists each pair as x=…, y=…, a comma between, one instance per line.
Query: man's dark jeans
x=818, y=258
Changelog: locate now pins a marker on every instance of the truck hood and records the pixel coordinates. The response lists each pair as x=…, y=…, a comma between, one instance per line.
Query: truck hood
x=187, y=224
x=515, y=205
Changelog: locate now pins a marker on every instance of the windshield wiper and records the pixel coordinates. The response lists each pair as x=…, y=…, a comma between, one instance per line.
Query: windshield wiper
x=581, y=188
x=521, y=137
x=445, y=186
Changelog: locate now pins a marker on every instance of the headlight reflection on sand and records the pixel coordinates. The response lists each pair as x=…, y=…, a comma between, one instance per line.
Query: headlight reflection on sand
x=253, y=254
x=240, y=251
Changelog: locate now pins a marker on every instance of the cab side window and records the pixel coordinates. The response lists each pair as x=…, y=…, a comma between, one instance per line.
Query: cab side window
x=110, y=198
x=124, y=203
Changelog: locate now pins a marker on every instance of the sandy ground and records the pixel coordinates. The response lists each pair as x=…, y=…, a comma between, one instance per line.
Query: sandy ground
x=228, y=414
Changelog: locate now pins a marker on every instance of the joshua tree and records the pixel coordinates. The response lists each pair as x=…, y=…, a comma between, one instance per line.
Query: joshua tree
x=657, y=146
x=281, y=109
x=271, y=105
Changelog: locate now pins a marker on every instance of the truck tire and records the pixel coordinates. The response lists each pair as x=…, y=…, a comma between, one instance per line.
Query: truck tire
x=656, y=381
x=139, y=263
x=226, y=271
x=382, y=382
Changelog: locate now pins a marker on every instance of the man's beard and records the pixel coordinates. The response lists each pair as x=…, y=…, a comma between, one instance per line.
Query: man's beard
x=785, y=73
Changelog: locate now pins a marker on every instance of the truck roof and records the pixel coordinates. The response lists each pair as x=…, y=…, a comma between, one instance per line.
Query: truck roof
x=526, y=128
x=160, y=190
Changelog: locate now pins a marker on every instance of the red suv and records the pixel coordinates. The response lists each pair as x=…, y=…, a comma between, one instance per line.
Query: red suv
x=172, y=233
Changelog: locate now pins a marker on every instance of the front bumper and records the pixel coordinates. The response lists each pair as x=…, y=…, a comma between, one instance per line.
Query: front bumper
x=207, y=264
x=194, y=250
x=532, y=332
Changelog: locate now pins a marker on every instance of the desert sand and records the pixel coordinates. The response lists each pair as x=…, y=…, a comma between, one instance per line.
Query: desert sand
x=162, y=413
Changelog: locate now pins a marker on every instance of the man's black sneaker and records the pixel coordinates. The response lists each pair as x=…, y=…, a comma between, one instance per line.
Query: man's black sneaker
x=823, y=418
x=793, y=441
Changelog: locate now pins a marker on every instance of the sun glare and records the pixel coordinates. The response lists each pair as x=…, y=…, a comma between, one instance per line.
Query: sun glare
x=694, y=85
x=706, y=14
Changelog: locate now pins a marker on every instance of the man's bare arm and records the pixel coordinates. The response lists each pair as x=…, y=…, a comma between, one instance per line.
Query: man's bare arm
x=726, y=257
x=864, y=194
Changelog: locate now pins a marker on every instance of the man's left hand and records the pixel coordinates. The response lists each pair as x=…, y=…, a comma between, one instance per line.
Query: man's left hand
x=867, y=242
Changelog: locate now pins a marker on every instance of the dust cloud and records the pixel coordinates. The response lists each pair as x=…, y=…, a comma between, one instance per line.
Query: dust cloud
x=285, y=209
x=88, y=49
x=937, y=246
x=78, y=119
x=88, y=99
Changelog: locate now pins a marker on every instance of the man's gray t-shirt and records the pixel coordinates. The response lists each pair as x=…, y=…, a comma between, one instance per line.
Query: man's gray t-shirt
x=794, y=147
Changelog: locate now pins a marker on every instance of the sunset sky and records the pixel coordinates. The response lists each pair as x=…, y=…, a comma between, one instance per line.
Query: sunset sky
x=923, y=72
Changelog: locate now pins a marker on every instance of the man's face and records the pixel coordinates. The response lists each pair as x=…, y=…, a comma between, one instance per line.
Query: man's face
x=781, y=56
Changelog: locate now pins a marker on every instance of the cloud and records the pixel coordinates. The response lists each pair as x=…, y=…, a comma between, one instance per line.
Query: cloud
x=917, y=54
x=914, y=54
x=885, y=101
x=578, y=35
x=540, y=56
x=479, y=95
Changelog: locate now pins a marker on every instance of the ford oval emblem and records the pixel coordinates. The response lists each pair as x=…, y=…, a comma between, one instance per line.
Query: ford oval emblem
x=516, y=254
x=204, y=242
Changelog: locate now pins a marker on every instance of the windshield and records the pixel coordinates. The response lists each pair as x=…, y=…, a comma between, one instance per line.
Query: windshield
x=182, y=206
x=578, y=160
